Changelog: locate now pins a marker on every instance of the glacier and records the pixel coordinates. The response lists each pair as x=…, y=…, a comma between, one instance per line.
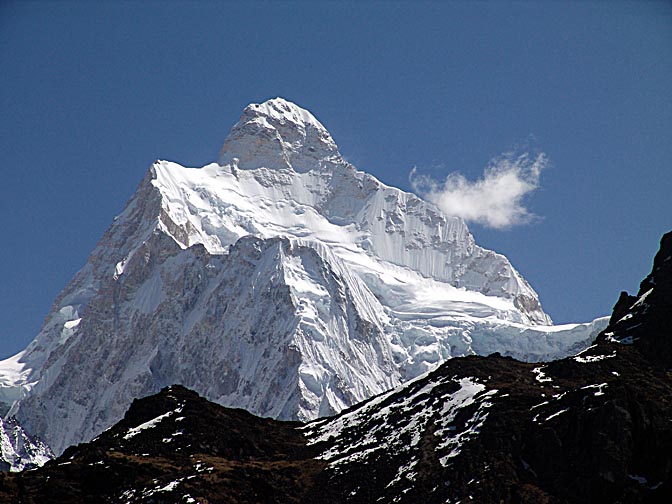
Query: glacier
x=279, y=279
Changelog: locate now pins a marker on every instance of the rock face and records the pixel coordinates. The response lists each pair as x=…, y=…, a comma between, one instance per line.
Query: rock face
x=177, y=447
x=591, y=428
x=653, y=339
x=281, y=280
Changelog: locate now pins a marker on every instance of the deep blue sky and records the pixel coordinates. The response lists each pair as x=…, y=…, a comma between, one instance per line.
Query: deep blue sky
x=91, y=93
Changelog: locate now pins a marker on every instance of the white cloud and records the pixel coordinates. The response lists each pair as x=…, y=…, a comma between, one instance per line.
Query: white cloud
x=496, y=200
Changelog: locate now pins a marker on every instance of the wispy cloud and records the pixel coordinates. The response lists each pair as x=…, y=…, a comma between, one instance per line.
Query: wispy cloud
x=496, y=200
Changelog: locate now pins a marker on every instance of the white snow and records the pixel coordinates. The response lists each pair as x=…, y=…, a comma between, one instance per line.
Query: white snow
x=71, y=324
x=169, y=487
x=396, y=427
x=130, y=495
x=540, y=375
x=642, y=298
x=594, y=358
x=18, y=449
x=14, y=374
x=467, y=395
x=600, y=388
x=218, y=207
x=134, y=431
x=556, y=414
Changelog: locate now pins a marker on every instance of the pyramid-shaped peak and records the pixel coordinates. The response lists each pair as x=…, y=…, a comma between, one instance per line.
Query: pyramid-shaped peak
x=279, y=134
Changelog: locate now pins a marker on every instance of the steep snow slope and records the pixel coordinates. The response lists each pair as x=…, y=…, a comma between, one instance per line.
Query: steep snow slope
x=281, y=280
x=18, y=450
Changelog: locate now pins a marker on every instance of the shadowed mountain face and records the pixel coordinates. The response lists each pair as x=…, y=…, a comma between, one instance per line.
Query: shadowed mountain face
x=645, y=320
x=595, y=427
x=176, y=447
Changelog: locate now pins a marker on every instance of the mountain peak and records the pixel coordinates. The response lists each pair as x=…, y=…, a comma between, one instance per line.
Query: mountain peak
x=294, y=290
x=279, y=134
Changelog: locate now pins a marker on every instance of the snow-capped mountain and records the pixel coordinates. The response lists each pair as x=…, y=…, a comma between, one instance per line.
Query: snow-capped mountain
x=280, y=280
x=18, y=450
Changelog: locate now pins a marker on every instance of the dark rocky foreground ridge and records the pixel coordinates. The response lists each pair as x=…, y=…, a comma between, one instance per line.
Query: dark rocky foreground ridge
x=596, y=427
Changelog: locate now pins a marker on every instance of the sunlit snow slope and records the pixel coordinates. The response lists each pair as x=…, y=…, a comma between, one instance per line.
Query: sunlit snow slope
x=280, y=280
